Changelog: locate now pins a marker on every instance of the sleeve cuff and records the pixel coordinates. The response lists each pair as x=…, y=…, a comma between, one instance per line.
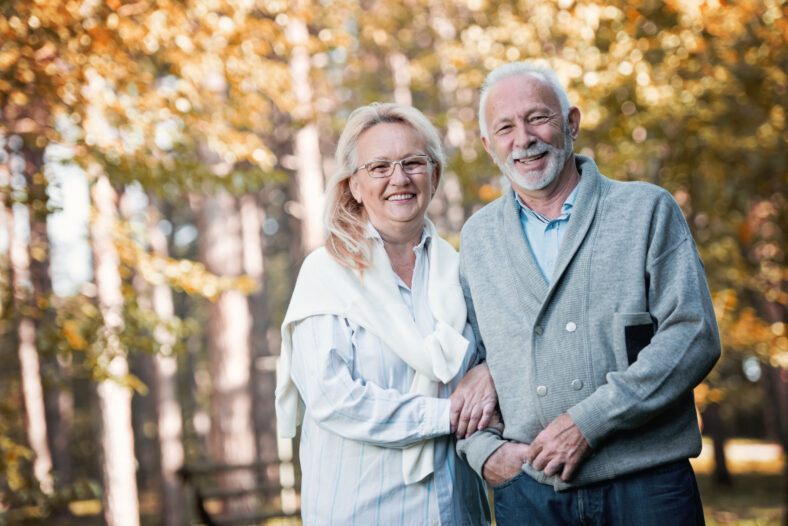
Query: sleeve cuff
x=590, y=420
x=477, y=448
x=438, y=416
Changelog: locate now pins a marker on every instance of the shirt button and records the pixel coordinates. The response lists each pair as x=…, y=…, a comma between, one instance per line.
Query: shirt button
x=538, y=330
x=571, y=327
x=541, y=390
x=577, y=384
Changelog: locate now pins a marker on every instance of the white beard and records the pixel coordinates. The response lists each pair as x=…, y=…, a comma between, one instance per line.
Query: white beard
x=537, y=179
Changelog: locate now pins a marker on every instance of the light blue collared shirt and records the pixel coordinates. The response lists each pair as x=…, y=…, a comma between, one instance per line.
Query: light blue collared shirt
x=360, y=414
x=544, y=235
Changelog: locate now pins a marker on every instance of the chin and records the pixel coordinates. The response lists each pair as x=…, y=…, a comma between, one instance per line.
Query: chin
x=533, y=181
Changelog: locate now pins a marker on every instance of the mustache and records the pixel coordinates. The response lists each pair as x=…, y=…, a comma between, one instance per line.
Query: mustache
x=537, y=149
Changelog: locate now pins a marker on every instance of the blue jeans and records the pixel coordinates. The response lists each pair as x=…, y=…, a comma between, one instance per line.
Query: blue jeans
x=665, y=495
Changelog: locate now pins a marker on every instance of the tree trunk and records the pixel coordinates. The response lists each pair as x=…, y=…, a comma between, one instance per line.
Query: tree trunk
x=169, y=419
x=400, y=70
x=116, y=436
x=25, y=300
x=714, y=425
x=59, y=403
x=306, y=144
x=231, y=436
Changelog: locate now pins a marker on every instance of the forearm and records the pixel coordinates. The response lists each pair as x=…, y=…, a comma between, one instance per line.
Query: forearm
x=379, y=416
x=682, y=351
x=477, y=448
x=352, y=407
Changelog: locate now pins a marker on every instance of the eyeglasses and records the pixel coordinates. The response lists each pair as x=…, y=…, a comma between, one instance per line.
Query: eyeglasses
x=380, y=168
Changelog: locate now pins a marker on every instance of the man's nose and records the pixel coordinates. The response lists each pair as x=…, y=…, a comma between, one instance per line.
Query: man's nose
x=522, y=136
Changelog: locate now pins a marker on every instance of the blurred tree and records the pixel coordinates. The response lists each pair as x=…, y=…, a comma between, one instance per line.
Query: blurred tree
x=27, y=294
x=306, y=146
x=168, y=409
x=121, y=506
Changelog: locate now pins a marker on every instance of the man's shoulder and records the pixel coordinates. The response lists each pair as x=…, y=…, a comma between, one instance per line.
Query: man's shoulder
x=641, y=194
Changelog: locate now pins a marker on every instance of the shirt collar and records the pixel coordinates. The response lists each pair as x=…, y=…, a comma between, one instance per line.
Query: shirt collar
x=566, y=208
x=426, y=237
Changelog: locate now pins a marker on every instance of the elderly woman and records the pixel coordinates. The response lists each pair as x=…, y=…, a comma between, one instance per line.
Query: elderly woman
x=375, y=341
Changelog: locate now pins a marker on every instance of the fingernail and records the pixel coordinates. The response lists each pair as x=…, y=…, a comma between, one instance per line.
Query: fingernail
x=452, y=429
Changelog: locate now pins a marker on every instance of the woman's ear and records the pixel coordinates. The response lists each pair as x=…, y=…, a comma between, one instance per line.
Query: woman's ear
x=436, y=170
x=355, y=189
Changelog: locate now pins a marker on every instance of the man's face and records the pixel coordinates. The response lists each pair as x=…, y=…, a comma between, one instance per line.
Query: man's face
x=529, y=138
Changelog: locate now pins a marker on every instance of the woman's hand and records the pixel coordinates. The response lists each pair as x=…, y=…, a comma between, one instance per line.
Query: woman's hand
x=473, y=402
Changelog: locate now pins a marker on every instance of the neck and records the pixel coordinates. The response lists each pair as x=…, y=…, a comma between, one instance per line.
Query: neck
x=549, y=200
x=399, y=246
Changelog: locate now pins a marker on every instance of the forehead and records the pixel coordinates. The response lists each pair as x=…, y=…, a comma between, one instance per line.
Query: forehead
x=517, y=94
x=389, y=140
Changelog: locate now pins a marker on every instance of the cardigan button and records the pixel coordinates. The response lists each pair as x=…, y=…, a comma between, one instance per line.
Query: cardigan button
x=538, y=330
x=577, y=384
x=541, y=390
x=571, y=326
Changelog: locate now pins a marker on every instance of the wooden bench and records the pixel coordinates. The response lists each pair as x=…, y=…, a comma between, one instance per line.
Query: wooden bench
x=210, y=496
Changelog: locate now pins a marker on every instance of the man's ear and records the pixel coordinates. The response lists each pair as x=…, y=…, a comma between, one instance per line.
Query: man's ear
x=488, y=148
x=574, y=121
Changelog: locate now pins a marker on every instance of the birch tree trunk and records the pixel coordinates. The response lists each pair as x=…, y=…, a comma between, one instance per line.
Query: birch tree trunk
x=231, y=436
x=306, y=144
x=400, y=70
x=23, y=162
x=168, y=410
x=32, y=390
x=120, y=499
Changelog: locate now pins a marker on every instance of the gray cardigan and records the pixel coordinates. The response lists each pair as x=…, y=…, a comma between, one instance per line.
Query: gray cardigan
x=618, y=339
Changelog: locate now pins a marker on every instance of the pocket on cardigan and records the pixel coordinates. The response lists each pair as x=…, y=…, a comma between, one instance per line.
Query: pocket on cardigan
x=631, y=333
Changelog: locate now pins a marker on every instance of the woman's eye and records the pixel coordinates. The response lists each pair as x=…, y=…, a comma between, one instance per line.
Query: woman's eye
x=378, y=167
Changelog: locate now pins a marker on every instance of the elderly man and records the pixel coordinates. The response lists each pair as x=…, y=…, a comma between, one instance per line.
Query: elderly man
x=591, y=302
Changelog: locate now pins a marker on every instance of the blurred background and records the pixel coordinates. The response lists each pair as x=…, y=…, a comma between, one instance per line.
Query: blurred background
x=162, y=164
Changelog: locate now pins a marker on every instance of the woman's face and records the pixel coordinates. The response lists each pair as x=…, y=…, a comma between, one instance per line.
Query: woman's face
x=397, y=202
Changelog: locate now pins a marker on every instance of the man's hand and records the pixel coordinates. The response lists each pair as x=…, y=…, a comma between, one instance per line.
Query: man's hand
x=473, y=402
x=559, y=449
x=506, y=462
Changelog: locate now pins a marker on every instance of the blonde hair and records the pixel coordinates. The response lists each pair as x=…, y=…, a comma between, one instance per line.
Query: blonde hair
x=345, y=219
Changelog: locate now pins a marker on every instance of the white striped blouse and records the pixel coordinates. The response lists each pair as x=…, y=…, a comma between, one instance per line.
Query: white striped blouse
x=359, y=415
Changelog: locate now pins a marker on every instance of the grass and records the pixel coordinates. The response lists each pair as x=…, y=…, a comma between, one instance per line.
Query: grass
x=754, y=499
x=756, y=496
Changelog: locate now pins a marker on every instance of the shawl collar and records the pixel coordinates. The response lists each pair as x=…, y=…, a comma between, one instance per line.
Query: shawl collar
x=521, y=257
x=582, y=216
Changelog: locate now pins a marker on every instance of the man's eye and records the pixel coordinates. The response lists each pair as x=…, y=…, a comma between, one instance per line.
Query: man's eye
x=538, y=118
x=505, y=128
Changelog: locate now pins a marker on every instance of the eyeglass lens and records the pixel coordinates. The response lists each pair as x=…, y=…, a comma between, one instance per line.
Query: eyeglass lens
x=410, y=165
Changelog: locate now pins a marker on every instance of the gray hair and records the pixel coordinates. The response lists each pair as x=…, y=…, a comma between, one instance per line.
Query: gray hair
x=344, y=217
x=543, y=72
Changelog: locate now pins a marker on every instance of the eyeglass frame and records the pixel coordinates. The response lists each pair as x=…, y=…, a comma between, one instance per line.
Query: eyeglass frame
x=430, y=161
